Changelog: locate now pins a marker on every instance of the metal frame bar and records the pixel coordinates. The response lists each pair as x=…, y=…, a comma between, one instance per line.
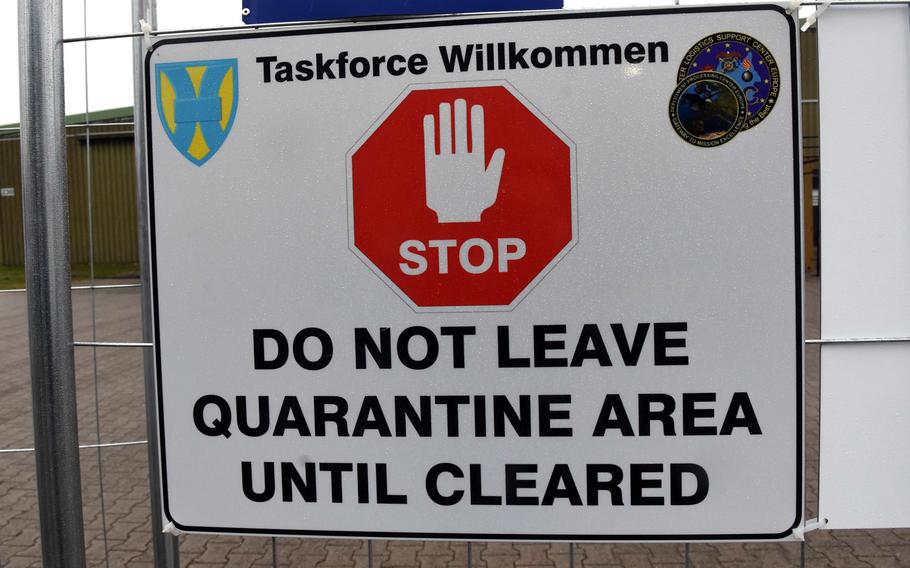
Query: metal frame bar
x=81, y=446
x=88, y=287
x=109, y=134
x=110, y=344
x=166, y=546
x=90, y=220
x=854, y=340
x=45, y=205
x=88, y=125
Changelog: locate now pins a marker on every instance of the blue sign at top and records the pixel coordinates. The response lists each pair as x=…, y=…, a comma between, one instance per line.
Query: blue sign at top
x=265, y=11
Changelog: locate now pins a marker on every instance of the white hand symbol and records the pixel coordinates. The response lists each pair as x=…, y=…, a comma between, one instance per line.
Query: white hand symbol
x=459, y=185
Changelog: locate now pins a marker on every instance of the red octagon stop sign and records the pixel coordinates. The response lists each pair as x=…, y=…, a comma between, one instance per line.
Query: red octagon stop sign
x=462, y=198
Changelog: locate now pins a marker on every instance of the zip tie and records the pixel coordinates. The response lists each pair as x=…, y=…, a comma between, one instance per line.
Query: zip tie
x=146, y=30
x=811, y=525
x=795, y=5
x=813, y=17
x=171, y=529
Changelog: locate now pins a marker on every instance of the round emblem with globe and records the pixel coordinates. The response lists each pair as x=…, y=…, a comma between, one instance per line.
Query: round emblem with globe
x=710, y=67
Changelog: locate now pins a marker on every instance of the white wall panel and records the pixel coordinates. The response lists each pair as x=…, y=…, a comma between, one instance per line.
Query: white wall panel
x=864, y=58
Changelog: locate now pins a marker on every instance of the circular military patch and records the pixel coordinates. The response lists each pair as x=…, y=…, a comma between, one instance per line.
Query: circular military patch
x=743, y=59
x=707, y=109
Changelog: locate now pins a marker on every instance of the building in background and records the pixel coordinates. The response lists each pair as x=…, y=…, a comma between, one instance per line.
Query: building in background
x=101, y=154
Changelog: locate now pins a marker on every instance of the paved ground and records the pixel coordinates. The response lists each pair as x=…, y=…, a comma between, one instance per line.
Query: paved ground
x=126, y=508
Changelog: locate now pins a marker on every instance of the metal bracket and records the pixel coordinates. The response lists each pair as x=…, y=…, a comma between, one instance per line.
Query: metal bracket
x=809, y=526
x=171, y=529
x=146, y=28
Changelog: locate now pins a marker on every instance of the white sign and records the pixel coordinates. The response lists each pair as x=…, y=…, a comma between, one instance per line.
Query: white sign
x=497, y=277
x=7, y=191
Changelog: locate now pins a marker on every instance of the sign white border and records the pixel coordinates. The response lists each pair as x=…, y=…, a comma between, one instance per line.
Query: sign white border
x=499, y=19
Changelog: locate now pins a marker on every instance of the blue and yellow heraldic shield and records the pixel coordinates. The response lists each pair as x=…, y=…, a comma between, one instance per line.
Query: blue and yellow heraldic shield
x=197, y=101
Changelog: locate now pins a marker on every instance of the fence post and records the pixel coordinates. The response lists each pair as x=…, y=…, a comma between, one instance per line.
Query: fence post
x=45, y=210
x=166, y=546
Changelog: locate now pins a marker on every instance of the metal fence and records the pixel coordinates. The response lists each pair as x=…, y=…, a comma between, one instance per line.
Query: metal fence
x=110, y=380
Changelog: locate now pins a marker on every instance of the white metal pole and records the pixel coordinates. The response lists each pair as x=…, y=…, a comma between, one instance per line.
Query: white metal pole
x=45, y=209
